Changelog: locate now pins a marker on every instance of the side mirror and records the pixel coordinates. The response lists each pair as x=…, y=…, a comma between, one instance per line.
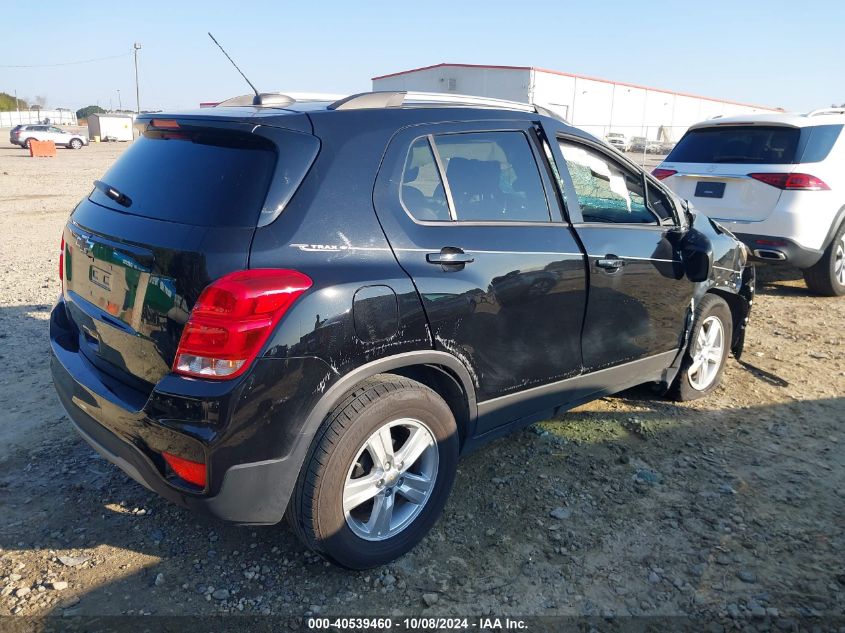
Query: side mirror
x=697, y=255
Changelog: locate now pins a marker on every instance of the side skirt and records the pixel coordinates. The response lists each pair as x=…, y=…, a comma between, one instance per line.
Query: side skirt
x=503, y=415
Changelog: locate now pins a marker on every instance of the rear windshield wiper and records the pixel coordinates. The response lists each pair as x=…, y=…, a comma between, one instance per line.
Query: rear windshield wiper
x=121, y=198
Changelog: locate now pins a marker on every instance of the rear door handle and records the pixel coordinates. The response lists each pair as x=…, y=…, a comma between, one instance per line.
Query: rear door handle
x=610, y=263
x=450, y=257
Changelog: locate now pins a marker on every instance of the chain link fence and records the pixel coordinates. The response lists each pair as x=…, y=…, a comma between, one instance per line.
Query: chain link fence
x=646, y=145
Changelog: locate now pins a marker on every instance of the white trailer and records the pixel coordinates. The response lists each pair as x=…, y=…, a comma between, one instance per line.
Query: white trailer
x=110, y=127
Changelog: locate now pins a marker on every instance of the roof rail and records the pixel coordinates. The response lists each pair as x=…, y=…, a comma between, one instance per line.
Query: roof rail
x=826, y=111
x=277, y=99
x=402, y=98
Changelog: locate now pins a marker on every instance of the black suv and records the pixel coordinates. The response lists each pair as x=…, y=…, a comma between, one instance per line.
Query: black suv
x=312, y=309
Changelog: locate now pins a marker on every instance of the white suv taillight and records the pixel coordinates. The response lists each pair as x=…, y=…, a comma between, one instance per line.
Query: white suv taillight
x=233, y=318
x=796, y=182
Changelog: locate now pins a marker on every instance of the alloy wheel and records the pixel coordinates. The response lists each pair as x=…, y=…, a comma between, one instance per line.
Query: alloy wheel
x=839, y=262
x=390, y=479
x=707, y=353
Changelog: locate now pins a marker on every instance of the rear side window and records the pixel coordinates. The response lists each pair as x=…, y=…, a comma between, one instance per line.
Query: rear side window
x=493, y=176
x=422, y=190
x=740, y=144
x=607, y=192
x=817, y=142
x=203, y=177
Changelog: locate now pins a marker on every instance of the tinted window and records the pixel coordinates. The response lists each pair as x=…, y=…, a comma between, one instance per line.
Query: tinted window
x=742, y=144
x=607, y=192
x=207, y=178
x=493, y=177
x=422, y=190
x=818, y=141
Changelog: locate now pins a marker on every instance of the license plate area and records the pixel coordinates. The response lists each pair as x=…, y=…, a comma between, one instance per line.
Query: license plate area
x=709, y=189
x=100, y=277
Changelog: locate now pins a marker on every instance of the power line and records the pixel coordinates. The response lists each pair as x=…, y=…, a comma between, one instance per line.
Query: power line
x=84, y=61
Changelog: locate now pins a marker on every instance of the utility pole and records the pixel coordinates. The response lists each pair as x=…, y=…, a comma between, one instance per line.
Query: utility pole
x=119, y=102
x=137, y=46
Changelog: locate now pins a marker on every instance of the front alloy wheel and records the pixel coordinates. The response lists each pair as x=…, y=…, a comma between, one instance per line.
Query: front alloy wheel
x=707, y=353
x=707, y=350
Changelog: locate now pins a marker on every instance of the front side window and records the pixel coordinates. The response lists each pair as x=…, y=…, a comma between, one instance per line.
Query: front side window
x=493, y=176
x=660, y=203
x=422, y=190
x=607, y=192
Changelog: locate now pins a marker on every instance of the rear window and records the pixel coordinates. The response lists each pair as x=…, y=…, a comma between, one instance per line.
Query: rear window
x=773, y=145
x=203, y=177
x=741, y=144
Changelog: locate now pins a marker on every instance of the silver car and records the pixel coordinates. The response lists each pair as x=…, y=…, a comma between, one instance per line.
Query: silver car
x=23, y=134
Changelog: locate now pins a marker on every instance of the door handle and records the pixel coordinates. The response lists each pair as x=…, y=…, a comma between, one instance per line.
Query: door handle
x=610, y=263
x=450, y=257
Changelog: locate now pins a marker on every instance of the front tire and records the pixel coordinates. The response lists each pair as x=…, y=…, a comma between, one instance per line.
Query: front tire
x=378, y=473
x=827, y=276
x=707, y=351
x=75, y=143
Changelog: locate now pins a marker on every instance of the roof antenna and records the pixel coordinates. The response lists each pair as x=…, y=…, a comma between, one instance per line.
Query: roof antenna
x=257, y=99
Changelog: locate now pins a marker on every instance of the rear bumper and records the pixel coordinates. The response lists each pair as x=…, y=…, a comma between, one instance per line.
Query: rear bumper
x=250, y=475
x=765, y=248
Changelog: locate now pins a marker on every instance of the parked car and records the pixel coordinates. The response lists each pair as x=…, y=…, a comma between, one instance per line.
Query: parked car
x=638, y=143
x=22, y=135
x=617, y=140
x=777, y=181
x=313, y=310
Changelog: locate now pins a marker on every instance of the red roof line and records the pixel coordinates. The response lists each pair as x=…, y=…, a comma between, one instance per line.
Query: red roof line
x=587, y=77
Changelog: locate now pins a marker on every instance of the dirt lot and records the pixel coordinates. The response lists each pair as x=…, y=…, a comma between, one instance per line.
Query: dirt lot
x=731, y=508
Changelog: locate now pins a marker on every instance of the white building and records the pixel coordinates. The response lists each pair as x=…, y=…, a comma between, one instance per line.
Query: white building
x=596, y=105
x=59, y=116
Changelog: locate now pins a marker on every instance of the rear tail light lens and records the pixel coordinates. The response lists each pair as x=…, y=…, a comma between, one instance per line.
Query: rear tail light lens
x=192, y=472
x=660, y=174
x=797, y=182
x=62, y=262
x=232, y=320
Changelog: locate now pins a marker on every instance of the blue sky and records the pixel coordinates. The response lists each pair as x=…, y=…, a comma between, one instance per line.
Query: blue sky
x=768, y=53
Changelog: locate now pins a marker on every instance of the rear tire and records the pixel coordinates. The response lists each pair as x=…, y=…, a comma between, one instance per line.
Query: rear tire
x=827, y=276
x=26, y=143
x=349, y=458
x=707, y=351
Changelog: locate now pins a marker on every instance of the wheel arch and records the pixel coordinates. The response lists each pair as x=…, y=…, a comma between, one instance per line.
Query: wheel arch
x=739, y=308
x=838, y=221
x=439, y=370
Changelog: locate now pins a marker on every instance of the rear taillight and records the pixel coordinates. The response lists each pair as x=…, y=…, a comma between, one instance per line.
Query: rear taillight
x=62, y=263
x=799, y=182
x=232, y=320
x=192, y=472
x=660, y=174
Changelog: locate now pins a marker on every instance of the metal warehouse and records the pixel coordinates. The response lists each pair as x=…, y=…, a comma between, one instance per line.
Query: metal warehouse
x=599, y=106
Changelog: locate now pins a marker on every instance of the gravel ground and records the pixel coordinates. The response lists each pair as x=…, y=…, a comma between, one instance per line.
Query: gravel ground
x=731, y=508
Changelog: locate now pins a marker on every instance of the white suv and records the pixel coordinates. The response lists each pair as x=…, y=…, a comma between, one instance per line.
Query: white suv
x=23, y=134
x=777, y=181
x=617, y=140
